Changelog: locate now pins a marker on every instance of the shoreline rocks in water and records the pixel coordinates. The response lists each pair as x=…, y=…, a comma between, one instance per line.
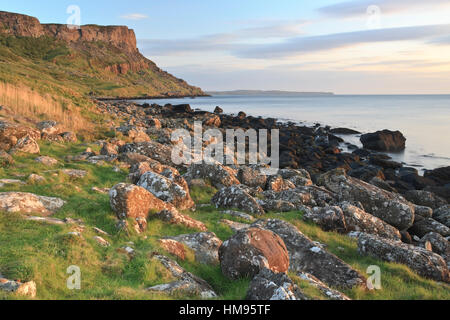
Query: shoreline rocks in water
x=384, y=141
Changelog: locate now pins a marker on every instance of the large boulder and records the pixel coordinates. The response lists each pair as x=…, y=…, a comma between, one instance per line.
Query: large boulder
x=440, y=175
x=252, y=177
x=388, y=206
x=237, y=197
x=26, y=145
x=384, y=141
x=426, y=225
x=168, y=187
x=425, y=198
x=186, y=283
x=299, y=177
x=310, y=257
x=424, y=262
x=174, y=217
x=278, y=184
x=49, y=127
x=22, y=202
x=151, y=149
x=22, y=289
x=251, y=250
x=442, y=215
x=328, y=218
x=439, y=244
x=268, y=285
x=322, y=287
x=205, y=246
x=220, y=176
x=11, y=133
x=131, y=201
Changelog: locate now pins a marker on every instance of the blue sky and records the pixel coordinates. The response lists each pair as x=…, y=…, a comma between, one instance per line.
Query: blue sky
x=355, y=46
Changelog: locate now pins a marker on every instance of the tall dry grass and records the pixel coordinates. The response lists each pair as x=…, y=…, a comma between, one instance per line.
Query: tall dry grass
x=30, y=104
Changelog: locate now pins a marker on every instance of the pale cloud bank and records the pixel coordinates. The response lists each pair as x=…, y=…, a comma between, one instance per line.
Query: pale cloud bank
x=134, y=16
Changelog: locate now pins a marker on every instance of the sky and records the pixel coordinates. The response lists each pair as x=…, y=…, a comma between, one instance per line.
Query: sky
x=345, y=47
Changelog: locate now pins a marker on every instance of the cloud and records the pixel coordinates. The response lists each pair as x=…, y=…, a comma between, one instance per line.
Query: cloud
x=298, y=45
x=359, y=8
x=222, y=41
x=134, y=16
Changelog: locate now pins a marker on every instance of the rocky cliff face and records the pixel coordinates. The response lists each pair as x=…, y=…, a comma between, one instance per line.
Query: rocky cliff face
x=21, y=25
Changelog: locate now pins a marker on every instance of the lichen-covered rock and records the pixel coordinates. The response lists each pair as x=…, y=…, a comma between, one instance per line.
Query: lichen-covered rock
x=151, y=149
x=252, y=177
x=220, y=176
x=299, y=177
x=29, y=203
x=359, y=220
x=205, y=246
x=424, y=262
x=295, y=197
x=174, y=190
x=139, y=168
x=249, y=251
x=439, y=245
x=22, y=289
x=268, y=285
x=426, y=225
x=47, y=161
x=237, y=197
x=235, y=226
x=11, y=133
x=425, y=199
x=442, y=215
x=5, y=159
x=310, y=257
x=277, y=205
x=131, y=201
x=26, y=145
x=186, y=283
x=278, y=184
x=49, y=127
x=421, y=212
x=173, y=247
x=328, y=218
x=389, y=207
x=109, y=149
x=69, y=136
x=74, y=173
x=174, y=217
x=326, y=290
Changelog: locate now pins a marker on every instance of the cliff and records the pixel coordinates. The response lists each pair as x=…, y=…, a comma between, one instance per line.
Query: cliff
x=108, y=53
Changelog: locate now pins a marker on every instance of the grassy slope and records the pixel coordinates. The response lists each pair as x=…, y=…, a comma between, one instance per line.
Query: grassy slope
x=75, y=71
x=40, y=252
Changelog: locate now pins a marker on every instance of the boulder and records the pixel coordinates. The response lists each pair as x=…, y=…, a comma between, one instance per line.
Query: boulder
x=299, y=177
x=426, y=225
x=389, y=207
x=11, y=133
x=328, y=218
x=424, y=262
x=235, y=226
x=277, y=205
x=268, y=285
x=49, y=127
x=237, y=197
x=278, y=184
x=29, y=203
x=173, y=247
x=173, y=190
x=425, y=198
x=69, y=136
x=109, y=149
x=26, y=145
x=19, y=288
x=252, y=177
x=326, y=290
x=75, y=174
x=186, y=283
x=172, y=216
x=205, y=246
x=218, y=110
x=310, y=257
x=131, y=201
x=5, y=159
x=251, y=250
x=442, y=215
x=357, y=219
x=440, y=175
x=139, y=168
x=47, y=161
x=439, y=245
x=384, y=141
x=151, y=149
x=220, y=176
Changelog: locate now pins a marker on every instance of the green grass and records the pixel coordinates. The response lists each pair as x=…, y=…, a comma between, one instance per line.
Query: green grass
x=42, y=253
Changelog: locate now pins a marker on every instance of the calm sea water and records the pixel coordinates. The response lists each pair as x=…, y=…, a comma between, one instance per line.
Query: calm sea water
x=423, y=119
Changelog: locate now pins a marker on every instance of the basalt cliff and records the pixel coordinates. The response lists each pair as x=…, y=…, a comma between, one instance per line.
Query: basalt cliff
x=103, y=60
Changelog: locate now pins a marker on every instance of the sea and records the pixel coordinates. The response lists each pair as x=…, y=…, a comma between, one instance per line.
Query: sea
x=423, y=119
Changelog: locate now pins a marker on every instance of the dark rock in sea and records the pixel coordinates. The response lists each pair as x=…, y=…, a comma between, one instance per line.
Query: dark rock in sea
x=440, y=175
x=218, y=110
x=363, y=153
x=344, y=131
x=385, y=140
x=182, y=108
x=242, y=115
x=379, y=160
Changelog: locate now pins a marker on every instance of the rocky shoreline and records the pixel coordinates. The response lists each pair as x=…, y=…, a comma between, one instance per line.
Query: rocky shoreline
x=396, y=214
